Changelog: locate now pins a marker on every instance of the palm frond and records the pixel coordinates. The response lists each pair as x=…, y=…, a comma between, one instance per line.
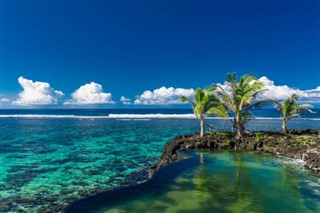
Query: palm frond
x=222, y=93
x=305, y=106
x=199, y=95
x=246, y=116
x=294, y=96
x=219, y=111
x=290, y=109
x=211, y=88
x=292, y=115
x=231, y=78
x=261, y=103
x=246, y=80
x=185, y=99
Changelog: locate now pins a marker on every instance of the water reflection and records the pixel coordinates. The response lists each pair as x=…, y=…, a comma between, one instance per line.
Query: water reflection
x=227, y=182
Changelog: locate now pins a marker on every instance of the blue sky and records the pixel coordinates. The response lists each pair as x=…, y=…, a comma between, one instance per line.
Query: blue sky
x=126, y=48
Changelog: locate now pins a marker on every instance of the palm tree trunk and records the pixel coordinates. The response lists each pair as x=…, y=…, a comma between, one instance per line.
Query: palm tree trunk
x=284, y=126
x=239, y=132
x=239, y=129
x=202, y=131
x=239, y=126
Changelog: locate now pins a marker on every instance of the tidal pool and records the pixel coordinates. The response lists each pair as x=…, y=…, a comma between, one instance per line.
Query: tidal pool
x=223, y=182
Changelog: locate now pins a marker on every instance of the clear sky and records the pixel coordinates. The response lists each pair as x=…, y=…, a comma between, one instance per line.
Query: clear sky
x=128, y=47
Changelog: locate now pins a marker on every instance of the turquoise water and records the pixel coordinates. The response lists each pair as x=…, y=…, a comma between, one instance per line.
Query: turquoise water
x=51, y=162
x=225, y=182
x=48, y=162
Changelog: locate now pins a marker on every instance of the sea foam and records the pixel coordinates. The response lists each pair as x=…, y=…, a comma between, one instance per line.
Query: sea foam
x=133, y=116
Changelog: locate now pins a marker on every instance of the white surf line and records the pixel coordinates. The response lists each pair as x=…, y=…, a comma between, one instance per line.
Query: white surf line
x=137, y=116
x=51, y=116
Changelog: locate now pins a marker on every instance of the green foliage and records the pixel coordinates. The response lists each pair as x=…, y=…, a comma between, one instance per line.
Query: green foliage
x=226, y=143
x=206, y=103
x=240, y=97
x=289, y=109
x=258, y=136
x=221, y=133
x=226, y=134
x=265, y=147
x=304, y=140
x=280, y=139
x=269, y=137
x=304, y=137
x=261, y=136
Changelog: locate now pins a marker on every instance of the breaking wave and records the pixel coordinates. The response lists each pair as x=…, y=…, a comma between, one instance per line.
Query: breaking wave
x=131, y=116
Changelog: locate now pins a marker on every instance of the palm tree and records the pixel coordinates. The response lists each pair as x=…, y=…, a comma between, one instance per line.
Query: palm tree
x=240, y=98
x=205, y=103
x=290, y=109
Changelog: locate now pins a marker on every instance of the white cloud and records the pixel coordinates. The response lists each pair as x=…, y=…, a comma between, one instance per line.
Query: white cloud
x=57, y=92
x=310, y=96
x=281, y=92
x=90, y=94
x=275, y=92
x=36, y=93
x=125, y=100
x=163, y=95
x=122, y=99
x=2, y=100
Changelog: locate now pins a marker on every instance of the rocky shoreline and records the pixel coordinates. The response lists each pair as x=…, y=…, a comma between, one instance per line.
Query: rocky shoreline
x=297, y=144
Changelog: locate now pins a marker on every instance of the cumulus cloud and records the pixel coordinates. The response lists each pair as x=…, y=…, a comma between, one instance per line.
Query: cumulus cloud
x=90, y=94
x=125, y=100
x=273, y=91
x=281, y=92
x=2, y=100
x=163, y=95
x=310, y=96
x=36, y=93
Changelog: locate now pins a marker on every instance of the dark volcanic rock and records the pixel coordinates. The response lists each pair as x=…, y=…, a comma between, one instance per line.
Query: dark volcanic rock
x=298, y=144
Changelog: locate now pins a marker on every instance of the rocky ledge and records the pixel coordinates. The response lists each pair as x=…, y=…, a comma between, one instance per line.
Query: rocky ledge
x=297, y=144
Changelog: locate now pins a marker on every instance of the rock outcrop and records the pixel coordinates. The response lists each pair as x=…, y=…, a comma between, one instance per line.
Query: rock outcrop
x=297, y=144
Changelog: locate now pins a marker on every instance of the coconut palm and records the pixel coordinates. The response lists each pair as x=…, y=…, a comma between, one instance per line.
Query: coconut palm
x=290, y=109
x=240, y=98
x=205, y=103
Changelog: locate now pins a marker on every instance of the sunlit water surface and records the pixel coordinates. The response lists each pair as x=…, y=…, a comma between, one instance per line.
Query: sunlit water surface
x=49, y=162
x=225, y=182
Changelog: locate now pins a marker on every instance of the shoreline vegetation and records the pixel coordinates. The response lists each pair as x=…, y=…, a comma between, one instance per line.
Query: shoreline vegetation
x=296, y=144
x=240, y=96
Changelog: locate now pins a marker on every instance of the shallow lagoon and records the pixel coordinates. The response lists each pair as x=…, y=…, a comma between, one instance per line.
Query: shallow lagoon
x=225, y=182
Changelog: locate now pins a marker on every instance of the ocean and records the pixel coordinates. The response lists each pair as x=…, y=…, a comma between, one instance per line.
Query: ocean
x=52, y=157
